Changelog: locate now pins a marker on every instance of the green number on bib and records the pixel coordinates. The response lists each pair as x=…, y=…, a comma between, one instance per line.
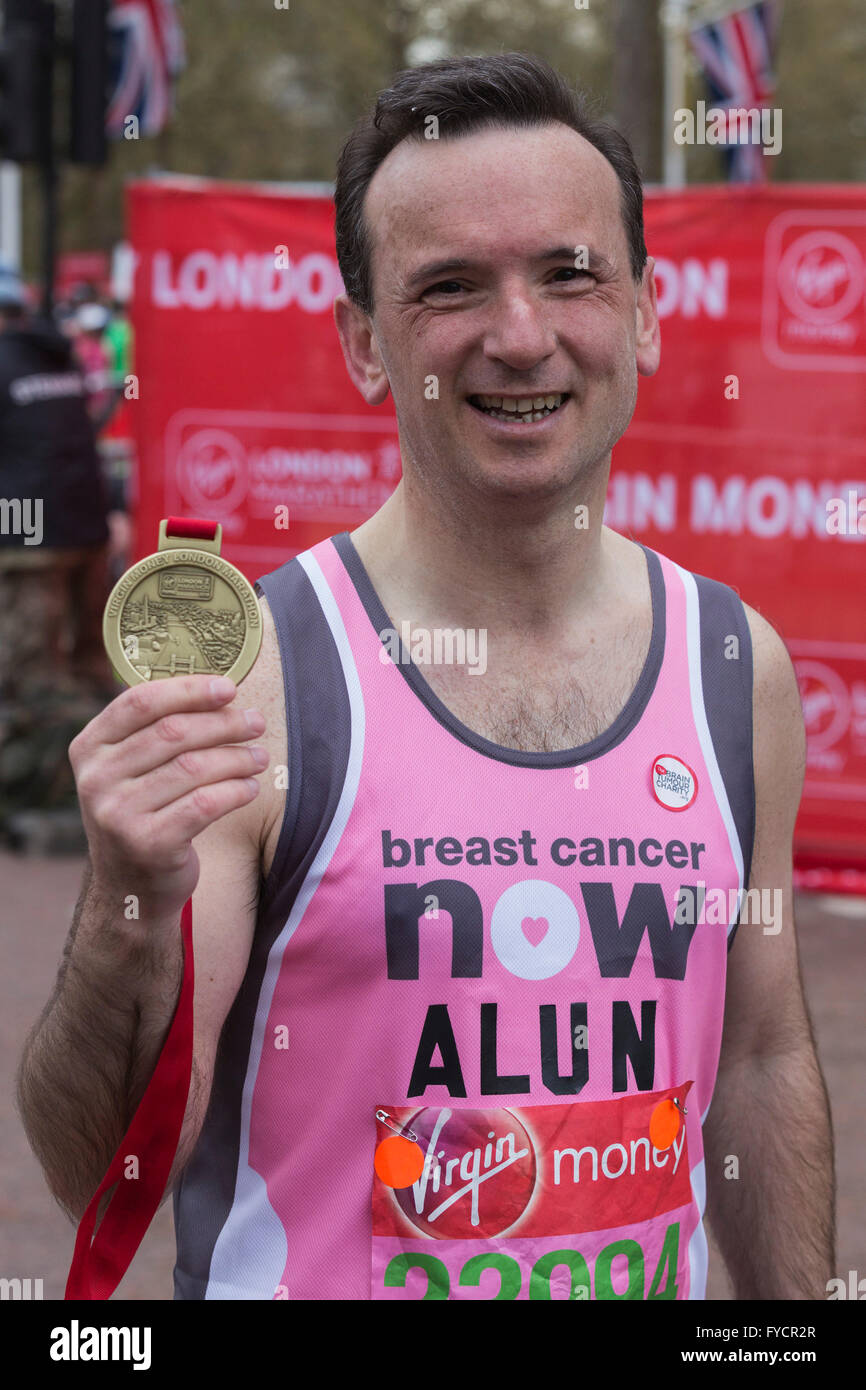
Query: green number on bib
x=539, y=1279
x=438, y=1282
x=509, y=1273
x=603, y=1282
x=667, y=1264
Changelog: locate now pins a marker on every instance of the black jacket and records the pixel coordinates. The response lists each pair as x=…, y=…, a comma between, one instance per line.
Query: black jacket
x=47, y=446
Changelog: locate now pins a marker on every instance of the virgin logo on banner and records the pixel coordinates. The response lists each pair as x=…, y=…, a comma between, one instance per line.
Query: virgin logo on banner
x=814, y=284
x=741, y=447
x=241, y=467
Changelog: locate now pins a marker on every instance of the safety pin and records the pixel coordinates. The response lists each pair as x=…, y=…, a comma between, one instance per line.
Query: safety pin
x=681, y=1108
x=388, y=1121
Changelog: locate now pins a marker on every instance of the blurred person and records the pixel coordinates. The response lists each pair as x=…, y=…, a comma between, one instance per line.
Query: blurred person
x=53, y=558
x=97, y=353
x=116, y=443
x=90, y=348
x=65, y=317
x=119, y=339
x=549, y=814
x=83, y=292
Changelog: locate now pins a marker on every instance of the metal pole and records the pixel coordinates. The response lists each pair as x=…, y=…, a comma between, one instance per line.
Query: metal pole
x=674, y=17
x=49, y=179
x=10, y=213
x=49, y=172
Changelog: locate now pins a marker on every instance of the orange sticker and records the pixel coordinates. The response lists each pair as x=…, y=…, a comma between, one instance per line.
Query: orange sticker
x=664, y=1124
x=398, y=1161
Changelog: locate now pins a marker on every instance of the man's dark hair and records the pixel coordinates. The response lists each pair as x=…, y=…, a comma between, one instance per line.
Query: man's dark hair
x=466, y=94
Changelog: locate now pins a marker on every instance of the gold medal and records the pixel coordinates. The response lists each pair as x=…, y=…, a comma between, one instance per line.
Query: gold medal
x=183, y=610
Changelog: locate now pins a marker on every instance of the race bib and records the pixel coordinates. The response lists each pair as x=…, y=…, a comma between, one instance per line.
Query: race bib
x=549, y=1201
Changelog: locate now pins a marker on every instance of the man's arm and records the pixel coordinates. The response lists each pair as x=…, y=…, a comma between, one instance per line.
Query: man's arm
x=774, y=1223
x=148, y=787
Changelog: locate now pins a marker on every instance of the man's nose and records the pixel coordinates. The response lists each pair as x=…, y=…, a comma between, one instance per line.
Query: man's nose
x=519, y=332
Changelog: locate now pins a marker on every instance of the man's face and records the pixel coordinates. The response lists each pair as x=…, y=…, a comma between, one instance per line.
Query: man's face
x=517, y=318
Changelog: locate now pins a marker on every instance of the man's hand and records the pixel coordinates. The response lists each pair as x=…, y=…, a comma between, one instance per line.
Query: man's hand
x=153, y=770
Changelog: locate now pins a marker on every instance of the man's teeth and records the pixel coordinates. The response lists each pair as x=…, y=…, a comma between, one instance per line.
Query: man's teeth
x=527, y=407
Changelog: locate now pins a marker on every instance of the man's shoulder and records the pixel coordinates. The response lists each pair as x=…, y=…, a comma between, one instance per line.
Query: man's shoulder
x=772, y=668
x=707, y=581
x=774, y=675
x=296, y=564
x=779, y=731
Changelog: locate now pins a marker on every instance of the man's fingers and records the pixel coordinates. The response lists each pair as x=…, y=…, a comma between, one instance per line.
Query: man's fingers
x=182, y=820
x=144, y=704
x=176, y=734
x=200, y=767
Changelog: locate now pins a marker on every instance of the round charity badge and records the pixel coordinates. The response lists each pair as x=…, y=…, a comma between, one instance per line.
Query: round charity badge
x=673, y=781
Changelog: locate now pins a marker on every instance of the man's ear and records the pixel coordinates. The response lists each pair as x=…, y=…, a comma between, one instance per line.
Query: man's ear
x=647, y=331
x=361, y=350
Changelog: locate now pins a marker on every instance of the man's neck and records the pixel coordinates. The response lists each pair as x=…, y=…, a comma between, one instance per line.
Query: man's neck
x=508, y=566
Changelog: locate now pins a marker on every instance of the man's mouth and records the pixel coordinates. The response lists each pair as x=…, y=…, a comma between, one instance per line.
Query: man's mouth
x=519, y=409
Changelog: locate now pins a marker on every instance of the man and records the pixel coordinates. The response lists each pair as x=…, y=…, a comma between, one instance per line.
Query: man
x=53, y=577
x=117, y=445
x=92, y=352
x=473, y=919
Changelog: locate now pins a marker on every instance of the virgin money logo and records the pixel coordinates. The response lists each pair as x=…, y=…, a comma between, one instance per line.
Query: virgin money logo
x=814, y=286
x=479, y=1174
x=821, y=277
x=212, y=472
x=826, y=704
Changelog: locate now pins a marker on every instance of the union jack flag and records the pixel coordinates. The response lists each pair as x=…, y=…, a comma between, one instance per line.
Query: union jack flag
x=736, y=54
x=146, y=52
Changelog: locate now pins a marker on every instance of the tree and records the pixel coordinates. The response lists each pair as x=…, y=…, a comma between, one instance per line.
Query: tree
x=636, y=81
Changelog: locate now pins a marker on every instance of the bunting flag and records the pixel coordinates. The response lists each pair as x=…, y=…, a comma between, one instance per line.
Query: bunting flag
x=146, y=54
x=736, y=54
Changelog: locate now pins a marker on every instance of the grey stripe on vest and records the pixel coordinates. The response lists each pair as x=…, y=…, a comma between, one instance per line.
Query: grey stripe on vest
x=318, y=720
x=726, y=675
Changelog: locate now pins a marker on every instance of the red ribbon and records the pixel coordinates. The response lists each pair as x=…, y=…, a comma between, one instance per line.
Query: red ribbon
x=99, y=1262
x=192, y=526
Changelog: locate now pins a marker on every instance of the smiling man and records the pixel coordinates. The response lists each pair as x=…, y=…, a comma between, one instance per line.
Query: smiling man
x=463, y=1027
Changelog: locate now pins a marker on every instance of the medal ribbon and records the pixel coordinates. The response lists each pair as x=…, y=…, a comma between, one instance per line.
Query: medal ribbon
x=192, y=526
x=99, y=1262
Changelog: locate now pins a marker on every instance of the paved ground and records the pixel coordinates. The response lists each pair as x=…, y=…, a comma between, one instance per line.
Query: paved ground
x=36, y=1239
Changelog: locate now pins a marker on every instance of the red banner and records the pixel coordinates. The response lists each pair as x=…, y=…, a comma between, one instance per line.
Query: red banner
x=745, y=460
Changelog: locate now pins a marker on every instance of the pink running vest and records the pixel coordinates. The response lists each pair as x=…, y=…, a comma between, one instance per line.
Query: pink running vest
x=516, y=959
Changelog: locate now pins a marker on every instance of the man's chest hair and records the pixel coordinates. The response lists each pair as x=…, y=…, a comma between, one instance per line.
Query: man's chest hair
x=540, y=710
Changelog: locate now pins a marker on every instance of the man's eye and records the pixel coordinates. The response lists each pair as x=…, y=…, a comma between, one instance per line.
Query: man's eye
x=573, y=270
x=441, y=287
